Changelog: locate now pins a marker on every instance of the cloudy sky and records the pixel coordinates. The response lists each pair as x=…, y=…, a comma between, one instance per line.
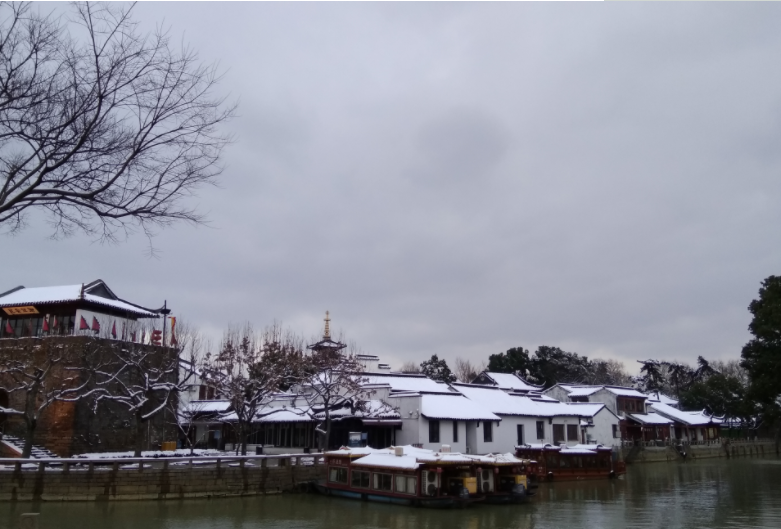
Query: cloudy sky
x=458, y=179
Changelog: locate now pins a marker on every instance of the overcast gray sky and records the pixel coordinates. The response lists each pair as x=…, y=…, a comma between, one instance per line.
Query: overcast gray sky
x=460, y=179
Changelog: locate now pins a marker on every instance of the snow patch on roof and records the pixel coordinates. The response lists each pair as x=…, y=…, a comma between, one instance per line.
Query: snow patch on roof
x=399, y=382
x=60, y=294
x=510, y=381
x=690, y=418
x=649, y=418
x=454, y=407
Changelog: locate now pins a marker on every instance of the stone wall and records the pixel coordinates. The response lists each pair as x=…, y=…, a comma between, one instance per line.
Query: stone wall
x=68, y=428
x=111, y=482
x=652, y=454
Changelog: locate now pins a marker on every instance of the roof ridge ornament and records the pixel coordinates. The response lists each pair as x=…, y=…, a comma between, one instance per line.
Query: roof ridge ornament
x=327, y=320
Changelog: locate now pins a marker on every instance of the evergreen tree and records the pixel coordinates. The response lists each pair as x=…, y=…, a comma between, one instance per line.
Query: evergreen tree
x=762, y=355
x=651, y=377
x=515, y=360
x=551, y=365
x=437, y=369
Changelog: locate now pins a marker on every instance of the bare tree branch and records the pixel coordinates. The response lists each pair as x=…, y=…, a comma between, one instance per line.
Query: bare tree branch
x=108, y=130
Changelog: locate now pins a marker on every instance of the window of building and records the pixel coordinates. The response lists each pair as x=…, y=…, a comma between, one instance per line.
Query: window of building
x=572, y=432
x=360, y=479
x=382, y=482
x=558, y=434
x=488, y=432
x=540, y=429
x=406, y=484
x=615, y=431
x=519, y=430
x=433, y=431
x=455, y=431
x=338, y=475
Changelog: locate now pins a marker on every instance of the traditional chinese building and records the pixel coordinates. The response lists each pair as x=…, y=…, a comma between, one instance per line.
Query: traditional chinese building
x=88, y=319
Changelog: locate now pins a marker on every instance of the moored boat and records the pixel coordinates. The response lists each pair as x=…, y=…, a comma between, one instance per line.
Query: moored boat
x=407, y=475
x=566, y=463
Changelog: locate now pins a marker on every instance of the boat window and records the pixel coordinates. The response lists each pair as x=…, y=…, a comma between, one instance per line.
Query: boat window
x=406, y=484
x=383, y=482
x=433, y=431
x=360, y=479
x=338, y=475
x=572, y=432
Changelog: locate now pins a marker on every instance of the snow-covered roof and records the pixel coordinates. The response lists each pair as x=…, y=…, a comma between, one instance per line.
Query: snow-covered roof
x=374, y=409
x=403, y=382
x=575, y=449
x=545, y=408
x=387, y=460
x=490, y=397
x=690, y=418
x=454, y=407
x=625, y=392
x=355, y=451
x=67, y=293
x=510, y=381
x=284, y=415
x=649, y=418
x=208, y=406
x=656, y=396
x=586, y=409
x=581, y=391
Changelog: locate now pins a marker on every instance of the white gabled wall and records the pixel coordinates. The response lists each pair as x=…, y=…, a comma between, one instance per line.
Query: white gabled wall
x=602, y=431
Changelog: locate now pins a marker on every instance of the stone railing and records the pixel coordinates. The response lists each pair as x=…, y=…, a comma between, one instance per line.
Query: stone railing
x=65, y=465
x=103, y=479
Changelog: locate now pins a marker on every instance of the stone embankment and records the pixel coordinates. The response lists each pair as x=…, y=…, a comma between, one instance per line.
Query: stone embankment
x=123, y=479
x=649, y=453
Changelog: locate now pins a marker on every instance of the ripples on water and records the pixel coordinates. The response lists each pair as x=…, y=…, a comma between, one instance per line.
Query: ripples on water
x=739, y=493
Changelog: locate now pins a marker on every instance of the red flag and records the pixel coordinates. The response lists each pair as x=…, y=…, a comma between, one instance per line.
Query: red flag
x=46, y=323
x=133, y=337
x=173, y=331
x=95, y=324
x=55, y=323
x=114, y=330
x=8, y=328
x=83, y=326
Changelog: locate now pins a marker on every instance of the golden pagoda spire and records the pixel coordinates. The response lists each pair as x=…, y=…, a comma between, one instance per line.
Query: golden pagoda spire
x=327, y=333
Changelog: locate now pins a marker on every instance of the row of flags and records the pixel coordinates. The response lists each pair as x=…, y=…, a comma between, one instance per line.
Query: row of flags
x=155, y=336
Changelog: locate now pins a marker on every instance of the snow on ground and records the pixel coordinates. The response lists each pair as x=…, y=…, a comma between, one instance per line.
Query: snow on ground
x=180, y=452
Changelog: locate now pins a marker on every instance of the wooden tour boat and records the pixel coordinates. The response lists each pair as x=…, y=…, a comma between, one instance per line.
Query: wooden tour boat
x=566, y=463
x=408, y=475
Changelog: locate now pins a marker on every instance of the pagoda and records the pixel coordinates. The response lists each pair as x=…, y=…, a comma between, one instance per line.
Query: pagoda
x=327, y=345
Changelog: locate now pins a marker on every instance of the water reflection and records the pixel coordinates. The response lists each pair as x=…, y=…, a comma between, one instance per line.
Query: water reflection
x=717, y=493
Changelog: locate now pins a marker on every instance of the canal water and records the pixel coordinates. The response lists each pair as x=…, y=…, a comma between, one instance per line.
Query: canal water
x=740, y=493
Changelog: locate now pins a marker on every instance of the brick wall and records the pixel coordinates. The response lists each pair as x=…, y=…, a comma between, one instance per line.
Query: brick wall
x=68, y=428
x=110, y=483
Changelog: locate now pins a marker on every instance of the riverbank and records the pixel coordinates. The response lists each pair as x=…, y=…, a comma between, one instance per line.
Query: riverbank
x=659, y=454
x=101, y=480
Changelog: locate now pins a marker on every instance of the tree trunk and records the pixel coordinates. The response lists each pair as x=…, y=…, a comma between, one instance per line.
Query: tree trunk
x=139, y=436
x=30, y=423
x=327, y=428
x=244, y=435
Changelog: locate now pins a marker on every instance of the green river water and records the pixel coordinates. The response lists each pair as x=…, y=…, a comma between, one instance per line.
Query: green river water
x=740, y=493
